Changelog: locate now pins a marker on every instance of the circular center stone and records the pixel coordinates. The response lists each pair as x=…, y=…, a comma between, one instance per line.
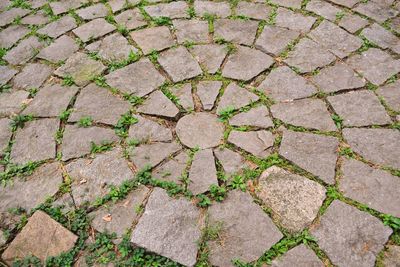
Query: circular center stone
x=201, y=130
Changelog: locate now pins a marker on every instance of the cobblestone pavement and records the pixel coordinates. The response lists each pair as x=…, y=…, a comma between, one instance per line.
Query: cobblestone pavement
x=200, y=133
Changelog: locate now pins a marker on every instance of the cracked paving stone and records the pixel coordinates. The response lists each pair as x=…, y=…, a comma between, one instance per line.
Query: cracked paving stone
x=352, y=23
x=253, y=10
x=60, y=50
x=323, y=9
x=349, y=236
x=288, y=3
x=383, y=38
x=376, y=10
x=191, y=31
x=203, y=172
x=158, y=104
x=337, y=78
x=308, y=113
x=63, y=6
x=148, y=131
x=78, y=141
x=145, y=80
x=391, y=256
x=184, y=94
x=294, y=21
x=279, y=85
x=208, y=92
x=41, y=237
x=314, y=153
x=172, y=10
x=359, y=108
x=24, y=51
x=152, y=154
x=179, y=64
x=391, y=95
x=258, y=143
x=11, y=35
x=300, y=256
x=5, y=133
x=209, y=56
x=232, y=162
x=220, y=9
x=294, y=200
x=10, y=15
x=155, y=38
x=131, y=19
x=11, y=103
x=93, y=29
x=93, y=178
x=35, y=142
x=40, y=18
x=247, y=231
x=376, y=188
x=81, y=68
x=6, y=74
x=51, y=101
x=99, y=104
x=235, y=97
x=274, y=40
x=370, y=145
x=236, y=31
x=256, y=117
x=169, y=227
x=32, y=76
x=173, y=170
x=58, y=27
x=93, y=12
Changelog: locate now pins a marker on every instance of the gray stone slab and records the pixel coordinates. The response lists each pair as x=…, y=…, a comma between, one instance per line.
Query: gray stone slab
x=173, y=170
x=172, y=10
x=117, y=5
x=256, y=117
x=184, y=94
x=158, y=104
x=208, y=92
x=93, y=29
x=61, y=49
x=130, y=19
x=353, y=23
x=203, y=172
x=232, y=162
x=294, y=21
x=323, y=9
x=391, y=95
x=5, y=133
x=209, y=56
x=6, y=74
x=11, y=103
x=148, y=131
x=288, y=3
x=93, y=12
x=63, y=6
x=58, y=27
x=31, y=76
x=300, y=256
x=383, y=38
x=258, y=143
x=150, y=155
x=274, y=40
x=8, y=16
x=236, y=31
x=24, y=51
x=155, y=38
x=346, y=3
x=191, y=31
x=221, y=9
x=376, y=10
x=235, y=97
x=10, y=35
x=259, y=11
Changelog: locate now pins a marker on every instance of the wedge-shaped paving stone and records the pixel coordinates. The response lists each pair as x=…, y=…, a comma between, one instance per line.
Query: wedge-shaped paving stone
x=5, y=133
x=130, y=19
x=6, y=74
x=288, y=3
x=352, y=23
x=11, y=103
x=32, y=76
x=93, y=12
x=81, y=68
x=147, y=131
x=257, y=11
x=314, y=153
x=232, y=162
x=294, y=21
x=391, y=95
x=24, y=51
x=383, y=38
x=203, y=172
x=208, y=92
x=274, y=39
x=376, y=10
x=172, y=10
x=191, y=31
x=247, y=232
x=11, y=35
x=169, y=227
x=279, y=84
x=258, y=143
x=173, y=170
x=155, y=38
x=10, y=15
x=41, y=237
x=159, y=105
x=78, y=141
x=308, y=113
x=257, y=117
x=152, y=154
x=237, y=31
x=93, y=29
x=235, y=97
x=184, y=94
x=391, y=256
x=300, y=256
x=380, y=146
x=51, y=101
x=179, y=64
x=210, y=56
x=61, y=49
x=359, y=108
x=221, y=9
x=99, y=104
x=63, y=6
x=145, y=80
x=349, y=236
x=324, y=9
x=293, y=199
x=35, y=142
x=58, y=27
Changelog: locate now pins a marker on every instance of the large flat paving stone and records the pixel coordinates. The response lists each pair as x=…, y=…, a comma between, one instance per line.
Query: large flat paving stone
x=24, y=51
x=220, y=9
x=10, y=35
x=147, y=131
x=294, y=21
x=155, y=38
x=391, y=95
x=235, y=97
x=258, y=11
x=258, y=143
x=172, y=10
x=208, y=92
x=274, y=40
x=61, y=49
x=150, y=155
x=93, y=29
x=236, y=31
x=158, y=104
x=130, y=19
x=5, y=133
x=191, y=31
x=32, y=76
x=203, y=172
x=11, y=103
x=352, y=23
x=300, y=256
x=173, y=170
x=58, y=27
x=209, y=56
x=232, y=162
x=256, y=117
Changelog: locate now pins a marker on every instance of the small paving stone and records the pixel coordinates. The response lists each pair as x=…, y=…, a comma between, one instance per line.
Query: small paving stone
x=274, y=39
x=8, y=16
x=10, y=35
x=81, y=68
x=93, y=12
x=179, y=64
x=130, y=19
x=32, y=75
x=5, y=133
x=37, y=3
x=256, y=117
x=235, y=97
x=314, y=153
x=159, y=105
x=145, y=80
x=147, y=131
x=288, y=3
x=161, y=226
x=293, y=199
x=11, y=103
x=337, y=78
x=63, y=6
x=253, y=10
x=191, y=31
x=172, y=10
x=359, y=108
x=383, y=38
x=257, y=143
x=24, y=51
x=35, y=142
x=237, y=31
x=349, y=236
x=370, y=145
x=247, y=232
x=39, y=18
x=155, y=38
x=232, y=162
x=279, y=85
x=41, y=237
x=391, y=256
x=152, y=154
x=210, y=56
x=353, y=23
x=6, y=74
x=308, y=113
x=202, y=130
x=221, y=9
x=78, y=141
x=184, y=94
x=346, y=3
x=58, y=27
x=376, y=10
x=324, y=9
x=116, y=5
x=203, y=172
x=300, y=256
x=294, y=21
x=51, y=101
x=391, y=95
x=208, y=92
x=173, y=170
x=93, y=29
x=61, y=49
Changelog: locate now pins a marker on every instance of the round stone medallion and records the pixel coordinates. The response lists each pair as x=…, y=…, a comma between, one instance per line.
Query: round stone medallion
x=202, y=130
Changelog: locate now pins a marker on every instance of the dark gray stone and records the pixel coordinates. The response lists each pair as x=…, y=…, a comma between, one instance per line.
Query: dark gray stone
x=11, y=103
x=10, y=35
x=155, y=38
x=274, y=39
x=150, y=155
x=191, y=31
x=258, y=143
x=300, y=256
x=294, y=21
x=221, y=9
x=24, y=51
x=237, y=31
x=148, y=131
x=93, y=29
x=209, y=56
x=391, y=95
x=61, y=49
x=172, y=10
x=159, y=105
x=131, y=19
x=235, y=97
x=208, y=92
x=256, y=117
x=58, y=27
x=32, y=75
x=203, y=172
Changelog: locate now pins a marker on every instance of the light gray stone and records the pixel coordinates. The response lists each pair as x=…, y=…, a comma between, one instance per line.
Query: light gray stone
x=158, y=104
x=383, y=38
x=150, y=155
x=274, y=39
x=208, y=92
x=258, y=143
x=203, y=172
x=184, y=94
x=323, y=9
x=300, y=256
x=32, y=75
x=236, y=31
x=147, y=131
x=391, y=95
x=61, y=49
x=258, y=11
x=391, y=256
x=116, y=5
x=376, y=10
x=38, y=19
x=131, y=19
x=209, y=56
x=63, y=6
x=58, y=27
x=191, y=31
x=220, y=9
x=256, y=117
x=346, y=3
x=5, y=133
x=11, y=103
x=288, y=3
x=172, y=10
x=235, y=97
x=155, y=38
x=93, y=29
x=173, y=170
x=10, y=35
x=24, y=51
x=232, y=162
x=93, y=12
x=353, y=23
x=294, y=21
x=6, y=74
x=8, y=16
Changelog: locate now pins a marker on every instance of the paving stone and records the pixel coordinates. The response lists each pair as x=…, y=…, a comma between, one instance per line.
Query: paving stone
x=11, y=103
x=10, y=35
x=78, y=141
x=346, y=3
x=38, y=19
x=81, y=68
x=51, y=101
x=179, y=64
x=221, y=9
x=294, y=21
x=3, y=239
x=184, y=94
x=350, y=237
x=293, y=199
x=172, y=10
x=353, y=23
x=236, y=31
x=288, y=3
x=383, y=38
x=203, y=172
x=376, y=10
x=323, y=9
x=232, y=162
x=131, y=19
x=191, y=31
x=308, y=56
x=93, y=29
x=60, y=50
x=41, y=237
x=93, y=12
x=300, y=256
x=155, y=38
x=314, y=153
x=391, y=256
x=308, y=113
x=208, y=92
x=145, y=80
x=152, y=154
x=279, y=85
x=5, y=133
x=210, y=56
x=258, y=143
x=63, y=6
x=24, y=51
x=253, y=10
x=359, y=108
x=161, y=226
x=147, y=131
x=274, y=39
x=202, y=130
x=6, y=74
x=235, y=97
x=173, y=170
x=8, y=16
x=36, y=3
x=337, y=78
x=370, y=145
x=247, y=232
x=256, y=117
x=391, y=95
x=58, y=27
x=158, y=104
x=116, y=5
x=4, y=4
x=32, y=75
